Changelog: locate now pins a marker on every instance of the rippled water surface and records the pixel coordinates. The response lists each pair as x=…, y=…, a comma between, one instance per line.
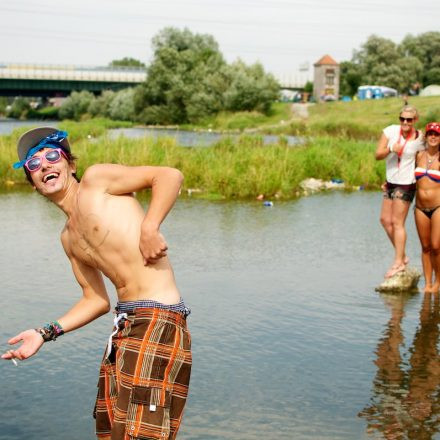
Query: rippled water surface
x=183, y=138
x=192, y=138
x=289, y=338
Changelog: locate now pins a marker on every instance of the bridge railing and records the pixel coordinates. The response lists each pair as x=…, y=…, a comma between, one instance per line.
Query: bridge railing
x=71, y=73
x=105, y=74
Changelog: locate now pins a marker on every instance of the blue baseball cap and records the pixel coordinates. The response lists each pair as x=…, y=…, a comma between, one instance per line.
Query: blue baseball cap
x=34, y=136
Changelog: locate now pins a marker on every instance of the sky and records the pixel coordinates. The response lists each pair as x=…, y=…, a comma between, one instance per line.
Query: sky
x=284, y=35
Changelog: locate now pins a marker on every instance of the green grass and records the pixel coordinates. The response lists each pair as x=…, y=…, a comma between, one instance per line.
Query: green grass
x=366, y=119
x=353, y=120
x=91, y=127
x=231, y=169
x=342, y=139
x=240, y=121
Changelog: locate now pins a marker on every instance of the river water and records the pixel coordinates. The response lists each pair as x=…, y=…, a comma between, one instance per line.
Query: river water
x=290, y=339
x=182, y=137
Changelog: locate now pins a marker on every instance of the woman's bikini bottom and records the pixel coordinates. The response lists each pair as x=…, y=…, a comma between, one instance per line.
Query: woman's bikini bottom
x=428, y=211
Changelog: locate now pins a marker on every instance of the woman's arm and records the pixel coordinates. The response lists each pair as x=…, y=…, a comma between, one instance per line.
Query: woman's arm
x=382, y=150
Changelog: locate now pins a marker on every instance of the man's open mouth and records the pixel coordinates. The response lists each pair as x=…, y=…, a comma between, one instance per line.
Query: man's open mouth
x=50, y=176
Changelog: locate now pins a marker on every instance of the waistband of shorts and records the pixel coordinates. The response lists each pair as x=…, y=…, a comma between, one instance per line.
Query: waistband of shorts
x=136, y=307
x=404, y=187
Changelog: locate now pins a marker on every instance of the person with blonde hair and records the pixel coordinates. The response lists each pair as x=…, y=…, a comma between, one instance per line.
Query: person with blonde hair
x=427, y=212
x=399, y=145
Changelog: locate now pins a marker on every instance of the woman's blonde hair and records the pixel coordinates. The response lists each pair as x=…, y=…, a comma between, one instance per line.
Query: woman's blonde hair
x=409, y=109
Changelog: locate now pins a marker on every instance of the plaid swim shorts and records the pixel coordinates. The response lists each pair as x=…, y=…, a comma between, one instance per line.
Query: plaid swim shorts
x=143, y=382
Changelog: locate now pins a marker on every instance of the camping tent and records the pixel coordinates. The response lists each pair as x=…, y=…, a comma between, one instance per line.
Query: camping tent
x=375, y=92
x=432, y=90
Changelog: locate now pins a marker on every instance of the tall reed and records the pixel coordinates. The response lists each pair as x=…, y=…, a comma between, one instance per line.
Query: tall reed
x=232, y=168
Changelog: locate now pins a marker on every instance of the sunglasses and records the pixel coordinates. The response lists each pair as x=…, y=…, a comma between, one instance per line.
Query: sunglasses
x=51, y=156
x=402, y=119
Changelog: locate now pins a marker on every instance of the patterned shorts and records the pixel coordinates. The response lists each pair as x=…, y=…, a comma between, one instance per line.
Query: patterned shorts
x=143, y=383
x=405, y=193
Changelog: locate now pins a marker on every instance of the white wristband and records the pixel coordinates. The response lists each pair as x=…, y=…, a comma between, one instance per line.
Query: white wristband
x=391, y=148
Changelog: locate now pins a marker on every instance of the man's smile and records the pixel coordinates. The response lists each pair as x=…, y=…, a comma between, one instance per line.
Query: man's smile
x=50, y=176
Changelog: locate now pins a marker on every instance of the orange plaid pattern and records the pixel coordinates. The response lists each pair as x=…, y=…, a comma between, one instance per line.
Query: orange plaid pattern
x=143, y=384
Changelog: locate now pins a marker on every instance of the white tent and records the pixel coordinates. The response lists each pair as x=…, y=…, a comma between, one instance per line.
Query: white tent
x=432, y=90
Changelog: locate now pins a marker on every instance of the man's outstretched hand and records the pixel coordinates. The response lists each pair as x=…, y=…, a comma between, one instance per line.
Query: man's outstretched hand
x=32, y=342
x=152, y=245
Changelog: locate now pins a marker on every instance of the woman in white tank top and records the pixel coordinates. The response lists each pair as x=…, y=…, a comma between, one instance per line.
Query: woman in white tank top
x=399, y=145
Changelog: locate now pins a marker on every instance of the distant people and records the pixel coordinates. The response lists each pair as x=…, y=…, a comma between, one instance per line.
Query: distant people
x=399, y=145
x=427, y=212
x=415, y=89
x=405, y=99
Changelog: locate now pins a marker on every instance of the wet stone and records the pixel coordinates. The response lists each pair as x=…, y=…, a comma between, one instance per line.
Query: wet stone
x=404, y=281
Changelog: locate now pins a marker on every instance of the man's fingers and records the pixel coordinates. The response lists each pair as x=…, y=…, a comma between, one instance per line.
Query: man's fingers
x=15, y=339
x=18, y=355
x=11, y=354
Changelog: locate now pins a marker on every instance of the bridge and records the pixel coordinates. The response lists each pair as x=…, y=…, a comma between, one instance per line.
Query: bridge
x=57, y=80
x=49, y=81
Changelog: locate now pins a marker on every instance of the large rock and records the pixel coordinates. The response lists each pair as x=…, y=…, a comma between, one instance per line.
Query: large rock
x=404, y=281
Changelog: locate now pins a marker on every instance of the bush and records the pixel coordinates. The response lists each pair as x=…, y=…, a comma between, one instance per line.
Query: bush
x=19, y=108
x=250, y=88
x=76, y=105
x=122, y=105
x=100, y=106
x=43, y=113
x=189, y=80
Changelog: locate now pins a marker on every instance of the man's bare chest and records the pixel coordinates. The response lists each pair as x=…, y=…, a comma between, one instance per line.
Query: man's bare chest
x=88, y=238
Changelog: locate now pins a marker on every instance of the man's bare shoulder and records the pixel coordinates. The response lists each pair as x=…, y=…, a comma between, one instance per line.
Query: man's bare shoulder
x=97, y=175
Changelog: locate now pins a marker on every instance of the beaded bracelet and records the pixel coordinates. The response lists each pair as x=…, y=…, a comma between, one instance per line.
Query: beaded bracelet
x=51, y=331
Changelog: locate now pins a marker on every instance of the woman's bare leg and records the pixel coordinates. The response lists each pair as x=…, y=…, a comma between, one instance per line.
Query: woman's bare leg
x=399, y=213
x=386, y=218
x=435, y=248
x=423, y=224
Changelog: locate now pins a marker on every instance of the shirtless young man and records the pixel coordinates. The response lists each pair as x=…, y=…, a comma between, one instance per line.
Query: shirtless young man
x=145, y=371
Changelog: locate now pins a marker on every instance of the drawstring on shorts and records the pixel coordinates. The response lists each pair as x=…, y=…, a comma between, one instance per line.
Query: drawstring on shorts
x=118, y=317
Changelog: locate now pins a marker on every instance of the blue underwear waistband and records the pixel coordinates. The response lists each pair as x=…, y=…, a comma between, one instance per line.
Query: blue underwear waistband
x=130, y=306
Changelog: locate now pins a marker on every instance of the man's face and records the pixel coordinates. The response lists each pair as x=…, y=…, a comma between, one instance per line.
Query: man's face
x=51, y=178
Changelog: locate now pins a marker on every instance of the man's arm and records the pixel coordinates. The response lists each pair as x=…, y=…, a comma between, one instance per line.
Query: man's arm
x=165, y=184
x=94, y=303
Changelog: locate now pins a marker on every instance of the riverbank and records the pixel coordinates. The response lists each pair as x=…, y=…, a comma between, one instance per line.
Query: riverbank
x=231, y=169
x=363, y=120
x=341, y=141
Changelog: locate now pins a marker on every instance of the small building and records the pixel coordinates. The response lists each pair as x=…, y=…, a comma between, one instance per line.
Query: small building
x=326, y=79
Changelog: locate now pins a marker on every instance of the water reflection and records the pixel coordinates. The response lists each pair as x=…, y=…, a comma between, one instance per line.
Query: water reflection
x=405, y=401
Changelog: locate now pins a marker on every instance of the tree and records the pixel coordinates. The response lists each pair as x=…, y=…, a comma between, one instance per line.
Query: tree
x=19, y=108
x=378, y=62
x=185, y=66
x=127, y=62
x=122, y=105
x=250, y=88
x=381, y=61
x=189, y=80
x=426, y=48
x=308, y=87
x=351, y=78
x=76, y=105
x=100, y=106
